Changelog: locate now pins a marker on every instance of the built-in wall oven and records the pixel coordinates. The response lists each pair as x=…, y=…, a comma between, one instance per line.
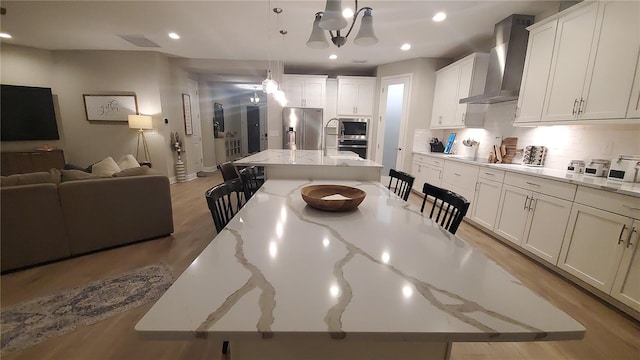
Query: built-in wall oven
x=353, y=136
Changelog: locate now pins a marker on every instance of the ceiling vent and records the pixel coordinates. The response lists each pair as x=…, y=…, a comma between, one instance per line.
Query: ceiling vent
x=139, y=41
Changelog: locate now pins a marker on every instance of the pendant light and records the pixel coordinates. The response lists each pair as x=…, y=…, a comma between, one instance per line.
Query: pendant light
x=269, y=85
x=279, y=94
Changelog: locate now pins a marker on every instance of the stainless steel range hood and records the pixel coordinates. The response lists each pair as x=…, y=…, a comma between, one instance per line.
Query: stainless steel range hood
x=506, y=61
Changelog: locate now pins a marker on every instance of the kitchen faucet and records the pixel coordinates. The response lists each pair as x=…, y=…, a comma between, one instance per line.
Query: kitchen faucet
x=324, y=136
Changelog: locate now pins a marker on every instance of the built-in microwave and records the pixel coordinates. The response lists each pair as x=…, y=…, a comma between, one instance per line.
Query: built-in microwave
x=354, y=127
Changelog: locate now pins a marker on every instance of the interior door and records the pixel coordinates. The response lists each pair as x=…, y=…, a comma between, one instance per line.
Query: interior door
x=196, y=138
x=391, y=127
x=253, y=129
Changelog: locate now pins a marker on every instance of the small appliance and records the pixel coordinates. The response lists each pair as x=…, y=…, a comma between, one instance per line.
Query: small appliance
x=597, y=167
x=576, y=166
x=354, y=135
x=436, y=145
x=534, y=155
x=625, y=168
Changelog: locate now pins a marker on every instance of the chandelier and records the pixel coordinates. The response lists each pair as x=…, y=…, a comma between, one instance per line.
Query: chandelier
x=254, y=99
x=333, y=20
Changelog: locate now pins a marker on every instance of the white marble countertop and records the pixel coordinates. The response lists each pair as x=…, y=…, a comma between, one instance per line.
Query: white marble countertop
x=281, y=157
x=281, y=270
x=626, y=188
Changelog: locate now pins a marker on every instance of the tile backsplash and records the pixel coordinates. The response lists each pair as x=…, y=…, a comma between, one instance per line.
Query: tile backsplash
x=564, y=142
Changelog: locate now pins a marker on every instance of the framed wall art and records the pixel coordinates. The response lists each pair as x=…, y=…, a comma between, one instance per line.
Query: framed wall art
x=110, y=107
x=186, y=110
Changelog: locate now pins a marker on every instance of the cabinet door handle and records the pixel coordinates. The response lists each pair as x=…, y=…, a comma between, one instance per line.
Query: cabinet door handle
x=575, y=103
x=456, y=174
x=532, y=184
x=463, y=117
x=490, y=174
x=580, y=107
x=525, y=203
x=621, y=232
x=630, y=207
x=477, y=185
x=630, y=236
x=532, y=204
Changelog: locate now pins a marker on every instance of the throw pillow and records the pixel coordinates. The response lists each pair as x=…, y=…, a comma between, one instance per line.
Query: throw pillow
x=140, y=170
x=27, y=179
x=106, y=167
x=128, y=162
x=56, y=175
x=71, y=175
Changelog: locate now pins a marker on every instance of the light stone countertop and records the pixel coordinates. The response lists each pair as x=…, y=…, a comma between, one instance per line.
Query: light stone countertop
x=602, y=183
x=277, y=157
x=384, y=272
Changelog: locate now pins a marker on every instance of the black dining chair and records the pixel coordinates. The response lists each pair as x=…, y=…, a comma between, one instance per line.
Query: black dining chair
x=450, y=216
x=224, y=201
x=228, y=171
x=401, y=183
x=250, y=181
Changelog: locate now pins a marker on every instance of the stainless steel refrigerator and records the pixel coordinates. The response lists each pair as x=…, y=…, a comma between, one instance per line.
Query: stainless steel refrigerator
x=302, y=128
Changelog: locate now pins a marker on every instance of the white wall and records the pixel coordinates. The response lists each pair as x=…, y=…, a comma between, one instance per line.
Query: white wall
x=565, y=142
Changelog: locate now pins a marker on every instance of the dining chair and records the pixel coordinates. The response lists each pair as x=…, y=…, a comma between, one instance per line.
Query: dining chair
x=250, y=181
x=228, y=171
x=450, y=216
x=401, y=183
x=224, y=201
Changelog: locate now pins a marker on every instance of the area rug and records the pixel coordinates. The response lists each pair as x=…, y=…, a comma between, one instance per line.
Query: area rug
x=34, y=321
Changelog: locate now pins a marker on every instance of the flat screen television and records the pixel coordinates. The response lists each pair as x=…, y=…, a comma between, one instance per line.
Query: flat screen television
x=27, y=113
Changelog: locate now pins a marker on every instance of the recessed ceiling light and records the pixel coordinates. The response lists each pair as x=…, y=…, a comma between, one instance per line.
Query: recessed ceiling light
x=405, y=47
x=439, y=16
x=347, y=13
x=5, y=35
x=174, y=36
x=333, y=56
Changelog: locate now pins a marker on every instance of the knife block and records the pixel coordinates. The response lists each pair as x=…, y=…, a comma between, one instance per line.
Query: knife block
x=510, y=144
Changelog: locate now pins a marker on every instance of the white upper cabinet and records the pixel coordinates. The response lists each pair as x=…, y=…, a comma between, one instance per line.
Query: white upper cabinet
x=536, y=72
x=305, y=90
x=355, y=95
x=634, y=103
x=594, y=59
x=464, y=78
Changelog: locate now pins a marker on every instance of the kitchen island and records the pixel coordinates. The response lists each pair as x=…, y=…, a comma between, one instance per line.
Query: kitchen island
x=312, y=164
x=286, y=281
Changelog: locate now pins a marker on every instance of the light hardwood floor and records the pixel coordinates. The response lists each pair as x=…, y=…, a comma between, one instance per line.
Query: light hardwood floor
x=610, y=335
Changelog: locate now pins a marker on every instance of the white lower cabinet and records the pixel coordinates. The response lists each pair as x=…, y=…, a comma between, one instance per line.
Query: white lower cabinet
x=426, y=169
x=534, y=221
x=486, y=202
x=626, y=285
x=594, y=245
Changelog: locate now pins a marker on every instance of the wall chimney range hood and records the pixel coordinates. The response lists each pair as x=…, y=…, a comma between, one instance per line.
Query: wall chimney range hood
x=506, y=61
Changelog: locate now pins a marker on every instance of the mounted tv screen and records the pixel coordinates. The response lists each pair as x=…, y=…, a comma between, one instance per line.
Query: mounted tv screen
x=27, y=113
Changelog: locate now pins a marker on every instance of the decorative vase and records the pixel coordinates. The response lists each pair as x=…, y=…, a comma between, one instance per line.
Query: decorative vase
x=181, y=173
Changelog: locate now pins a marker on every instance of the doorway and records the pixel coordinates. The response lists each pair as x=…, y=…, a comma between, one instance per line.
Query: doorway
x=393, y=113
x=253, y=129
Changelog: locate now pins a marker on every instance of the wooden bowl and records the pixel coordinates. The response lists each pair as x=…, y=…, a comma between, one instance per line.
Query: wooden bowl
x=313, y=195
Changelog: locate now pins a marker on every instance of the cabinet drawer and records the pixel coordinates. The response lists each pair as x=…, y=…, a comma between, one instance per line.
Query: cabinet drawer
x=429, y=160
x=606, y=200
x=460, y=175
x=544, y=186
x=420, y=158
x=491, y=174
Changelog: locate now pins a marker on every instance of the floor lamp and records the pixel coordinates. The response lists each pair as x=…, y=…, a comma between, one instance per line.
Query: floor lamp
x=142, y=123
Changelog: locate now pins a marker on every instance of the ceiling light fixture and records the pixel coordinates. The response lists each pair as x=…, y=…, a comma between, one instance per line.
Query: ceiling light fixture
x=279, y=94
x=439, y=16
x=5, y=36
x=174, y=36
x=254, y=99
x=269, y=85
x=332, y=19
x=405, y=47
x=333, y=56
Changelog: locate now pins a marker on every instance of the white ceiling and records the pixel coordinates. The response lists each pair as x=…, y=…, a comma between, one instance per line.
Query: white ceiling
x=238, y=30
